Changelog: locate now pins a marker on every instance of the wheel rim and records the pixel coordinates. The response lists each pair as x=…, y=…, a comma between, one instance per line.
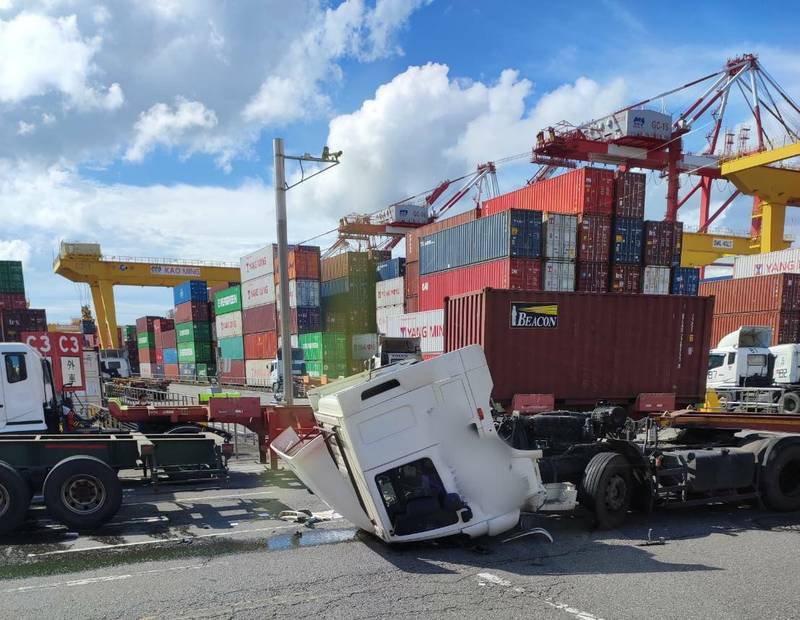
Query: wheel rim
x=616, y=492
x=790, y=405
x=789, y=479
x=5, y=500
x=83, y=494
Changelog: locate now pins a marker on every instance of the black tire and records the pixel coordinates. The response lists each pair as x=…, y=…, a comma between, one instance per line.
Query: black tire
x=789, y=403
x=15, y=497
x=780, y=479
x=275, y=388
x=606, y=489
x=82, y=492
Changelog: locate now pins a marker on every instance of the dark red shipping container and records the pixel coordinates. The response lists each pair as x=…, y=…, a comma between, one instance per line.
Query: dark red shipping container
x=785, y=325
x=191, y=311
x=259, y=319
x=780, y=292
x=13, y=301
x=594, y=238
x=413, y=237
x=625, y=279
x=412, y=304
x=14, y=322
x=145, y=324
x=662, y=243
x=163, y=325
x=147, y=356
x=231, y=371
x=411, y=281
x=592, y=277
x=586, y=347
x=585, y=190
x=262, y=346
x=515, y=273
x=168, y=339
x=629, y=194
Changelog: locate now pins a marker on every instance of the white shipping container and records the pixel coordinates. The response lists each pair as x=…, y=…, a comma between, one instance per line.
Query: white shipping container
x=640, y=123
x=559, y=276
x=428, y=326
x=389, y=292
x=229, y=325
x=257, y=264
x=656, y=280
x=383, y=313
x=145, y=369
x=365, y=346
x=561, y=236
x=402, y=214
x=258, y=291
x=783, y=261
x=257, y=372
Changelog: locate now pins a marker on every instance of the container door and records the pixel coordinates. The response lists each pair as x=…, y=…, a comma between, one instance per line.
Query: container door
x=22, y=391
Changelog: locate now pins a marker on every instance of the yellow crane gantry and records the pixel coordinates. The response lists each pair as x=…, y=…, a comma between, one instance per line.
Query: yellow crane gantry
x=84, y=263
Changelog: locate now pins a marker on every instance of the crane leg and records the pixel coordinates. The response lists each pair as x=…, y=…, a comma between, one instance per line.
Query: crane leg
x=107, y=293
x=100, y=315
x=773, y=218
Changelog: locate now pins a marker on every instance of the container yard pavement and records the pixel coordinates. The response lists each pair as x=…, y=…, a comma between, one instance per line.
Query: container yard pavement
x=221, y=552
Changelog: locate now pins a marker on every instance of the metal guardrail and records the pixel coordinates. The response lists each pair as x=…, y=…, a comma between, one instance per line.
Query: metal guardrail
x=170, y=261
x=137, y=395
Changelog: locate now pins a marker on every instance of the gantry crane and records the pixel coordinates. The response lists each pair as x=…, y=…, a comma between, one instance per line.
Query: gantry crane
x=562, y=144
x=84, y=263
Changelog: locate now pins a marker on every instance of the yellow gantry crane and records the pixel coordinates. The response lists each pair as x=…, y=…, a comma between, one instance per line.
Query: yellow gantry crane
x=84, y=263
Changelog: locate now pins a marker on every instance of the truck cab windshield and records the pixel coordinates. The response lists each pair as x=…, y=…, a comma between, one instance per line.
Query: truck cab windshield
x=715, y=360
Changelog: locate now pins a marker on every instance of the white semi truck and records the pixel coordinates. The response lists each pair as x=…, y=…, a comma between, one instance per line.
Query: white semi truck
x=414, y=451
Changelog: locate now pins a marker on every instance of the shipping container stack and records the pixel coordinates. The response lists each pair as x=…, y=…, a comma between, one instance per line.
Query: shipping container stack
x=389, y=291
x=230, y=335
x=193, y=336
x=304, y=290
x=15, y=316
x=560, y=233
x=627, y=235
x=146, y=345
x=127, y=338
x=166, y=344
x=259, y=314
x=772, y=300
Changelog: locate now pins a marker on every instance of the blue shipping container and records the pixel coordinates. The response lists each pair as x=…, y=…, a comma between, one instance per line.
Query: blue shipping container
x=515, y=233
x=685, y=280
x=389, y=269
x=193, y=290
x=628, y=240
x=170, y=356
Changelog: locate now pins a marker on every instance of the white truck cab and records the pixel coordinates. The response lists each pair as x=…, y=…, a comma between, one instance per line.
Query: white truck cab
x=786, y=364
x=410, y=452
x=25, y=389
x=741, y=359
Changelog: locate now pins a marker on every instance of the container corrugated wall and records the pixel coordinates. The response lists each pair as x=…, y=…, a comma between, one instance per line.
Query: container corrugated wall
x=560, y=236
x=603, y=347
x=628, y=240
x=777, y=292
x=785, y=325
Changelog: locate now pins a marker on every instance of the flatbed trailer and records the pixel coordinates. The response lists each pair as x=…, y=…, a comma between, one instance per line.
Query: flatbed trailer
x=77, y=474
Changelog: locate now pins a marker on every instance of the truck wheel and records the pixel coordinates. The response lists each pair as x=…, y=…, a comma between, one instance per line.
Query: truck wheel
x=780, y=479
x=15, y=496
x=789, y=403
x=82, y=492
x=606, y=489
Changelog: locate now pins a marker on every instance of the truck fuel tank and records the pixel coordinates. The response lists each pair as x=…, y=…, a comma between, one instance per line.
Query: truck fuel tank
x=713, y=469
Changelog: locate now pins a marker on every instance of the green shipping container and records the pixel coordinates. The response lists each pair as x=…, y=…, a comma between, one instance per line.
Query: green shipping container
x=328, y=346
x=335, y=370
x=128, y=332
x=193, y=332
x=314, y=369
x=194, y=352
x=231, y=348
x=11, y=280
x=229, y=300
x=146, y=340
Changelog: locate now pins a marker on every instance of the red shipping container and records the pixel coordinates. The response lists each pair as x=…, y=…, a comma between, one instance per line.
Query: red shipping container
x=145, y=324
x=585, y=190
x=592, y=277
x=625, y=279
x=303, y=263
x=159, y=355
x=594, y=238
x=147, y=356
x=412, y=304
x=662, y=243
x=168, y=339
x=13, y=301
x=413, y=237
x=785, y=325
x=780, y=292
x=411, y=281
x=263, y=346
x=588, y=347
x=231, y=371
x=65, y=352
x=191, y=311
x=524, y=274
x=259, y=319
x=163, y=325
x=629, y=194
x=172, y=371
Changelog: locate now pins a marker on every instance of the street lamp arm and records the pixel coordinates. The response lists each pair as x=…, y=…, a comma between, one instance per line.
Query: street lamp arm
x=304, y=178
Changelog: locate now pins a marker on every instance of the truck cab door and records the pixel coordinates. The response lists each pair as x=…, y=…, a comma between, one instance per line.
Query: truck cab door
x=22, y=392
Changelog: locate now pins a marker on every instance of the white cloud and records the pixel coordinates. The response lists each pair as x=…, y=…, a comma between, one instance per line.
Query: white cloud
x=166, y=125
x=23, y=128
x=15, y=249
x=40, y=54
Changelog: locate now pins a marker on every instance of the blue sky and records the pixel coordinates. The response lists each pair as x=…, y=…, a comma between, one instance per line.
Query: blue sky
x=147, y=127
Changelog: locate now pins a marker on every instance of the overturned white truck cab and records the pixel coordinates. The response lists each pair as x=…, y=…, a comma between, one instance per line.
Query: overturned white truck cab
x=410, y=452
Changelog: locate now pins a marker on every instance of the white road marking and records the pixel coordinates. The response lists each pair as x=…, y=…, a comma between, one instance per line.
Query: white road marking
x=485, y=578
x=93, y=580
x=273, y=528
x=178, y=500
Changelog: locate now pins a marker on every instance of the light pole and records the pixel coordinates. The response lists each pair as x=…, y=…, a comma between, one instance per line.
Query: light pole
x=332, y=159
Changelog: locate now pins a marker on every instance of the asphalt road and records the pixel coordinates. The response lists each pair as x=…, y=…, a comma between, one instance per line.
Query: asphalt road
x=221, y=551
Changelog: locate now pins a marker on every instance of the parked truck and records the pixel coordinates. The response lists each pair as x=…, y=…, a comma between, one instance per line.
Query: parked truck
x=413, y=451
x=75, y=469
